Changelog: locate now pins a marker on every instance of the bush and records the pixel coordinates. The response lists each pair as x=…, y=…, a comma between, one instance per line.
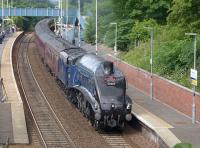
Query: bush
x=183, y=145
x=139, y=32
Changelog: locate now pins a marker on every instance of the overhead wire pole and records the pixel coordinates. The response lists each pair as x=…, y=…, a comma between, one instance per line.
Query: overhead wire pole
x=96, y=30
x=79, y=24
x=193, y=85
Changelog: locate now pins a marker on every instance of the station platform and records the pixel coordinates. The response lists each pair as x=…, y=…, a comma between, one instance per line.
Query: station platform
x=172, y=126
x=169, y=124
x=12, y=119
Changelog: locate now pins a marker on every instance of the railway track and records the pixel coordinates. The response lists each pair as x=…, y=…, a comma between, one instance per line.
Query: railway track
x=116, y=141
x=49, y=127
x=53, y=117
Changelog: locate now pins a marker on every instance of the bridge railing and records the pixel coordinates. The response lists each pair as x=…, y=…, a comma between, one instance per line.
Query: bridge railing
x=31, y=12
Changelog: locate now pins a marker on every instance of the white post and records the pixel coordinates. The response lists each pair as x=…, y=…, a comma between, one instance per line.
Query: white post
x=59, y=13
x=96, y=30
x=151, y=61
x=193, y=98
x=116, y=40
x=79, y=24
x=61, y=18
x=67, y=12
x=2, y=17
x=9, y=10
x=115, y=47
x=193, y=87
x=67, y=19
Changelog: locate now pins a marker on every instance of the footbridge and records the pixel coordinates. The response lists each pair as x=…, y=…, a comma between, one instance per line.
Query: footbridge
x=54, y=12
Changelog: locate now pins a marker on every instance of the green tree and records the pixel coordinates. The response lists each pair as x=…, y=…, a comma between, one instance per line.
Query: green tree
x=105, y=17
x=130, y=12
x=185, y=13
x=89, y=33
x=32, y=3
x=18, y=21
x=139, y=32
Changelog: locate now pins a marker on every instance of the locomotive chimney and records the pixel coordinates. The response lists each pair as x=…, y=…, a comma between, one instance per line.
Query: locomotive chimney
x=108, y=68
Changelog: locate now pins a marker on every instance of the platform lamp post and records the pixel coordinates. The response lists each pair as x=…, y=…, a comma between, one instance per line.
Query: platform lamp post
x=67, y=13
x=115, y=47
x=61, y=19
x=60, y=16
x=151, y=61
x=2, y=15
x=79, y=25
x=194, y=77
x=96, y=30
x=59, y=13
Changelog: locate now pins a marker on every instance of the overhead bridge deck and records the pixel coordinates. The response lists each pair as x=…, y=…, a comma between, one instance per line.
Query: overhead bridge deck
x=36, y=12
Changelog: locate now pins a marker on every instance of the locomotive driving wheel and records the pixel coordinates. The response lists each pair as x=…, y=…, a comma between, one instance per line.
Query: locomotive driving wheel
x=87, y=111
x=68, y=94
x=93, y=121
x=79, y=101
x=96, y=125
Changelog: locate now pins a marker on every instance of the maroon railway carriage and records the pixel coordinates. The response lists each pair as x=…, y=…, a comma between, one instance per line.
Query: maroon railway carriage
x=48, y=46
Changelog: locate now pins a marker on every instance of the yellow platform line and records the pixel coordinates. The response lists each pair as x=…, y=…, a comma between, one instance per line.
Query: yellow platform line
x=160, y=126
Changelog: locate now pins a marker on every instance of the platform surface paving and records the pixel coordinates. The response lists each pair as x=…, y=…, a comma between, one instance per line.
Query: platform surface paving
x=180, y=127
x=12, y=110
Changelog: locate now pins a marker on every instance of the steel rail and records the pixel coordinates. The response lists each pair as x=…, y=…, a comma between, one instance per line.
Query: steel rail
x=28, y=103
x=71, y=143
x=58, y=121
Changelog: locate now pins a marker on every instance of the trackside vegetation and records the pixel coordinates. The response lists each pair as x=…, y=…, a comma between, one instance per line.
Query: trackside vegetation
x=170, y=19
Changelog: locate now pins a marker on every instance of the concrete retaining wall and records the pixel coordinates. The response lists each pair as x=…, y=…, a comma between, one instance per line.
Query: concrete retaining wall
x=164, y=90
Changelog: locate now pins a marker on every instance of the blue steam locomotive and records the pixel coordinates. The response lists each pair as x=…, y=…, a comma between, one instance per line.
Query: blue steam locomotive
x=93, y=84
